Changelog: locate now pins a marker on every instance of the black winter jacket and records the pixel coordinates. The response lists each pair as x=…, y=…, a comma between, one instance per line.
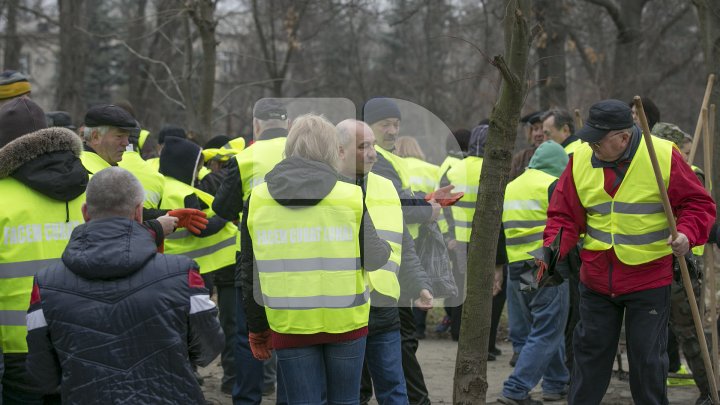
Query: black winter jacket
x=116, y=322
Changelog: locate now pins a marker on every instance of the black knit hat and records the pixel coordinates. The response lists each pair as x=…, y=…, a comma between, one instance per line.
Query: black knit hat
x=171, y=130
x=60, y=119
x=217, y=141
x=18, y=117
x=380, y=108
x=179, y=159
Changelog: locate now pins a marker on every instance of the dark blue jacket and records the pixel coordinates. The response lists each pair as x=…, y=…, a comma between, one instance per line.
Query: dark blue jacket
x=116, y=322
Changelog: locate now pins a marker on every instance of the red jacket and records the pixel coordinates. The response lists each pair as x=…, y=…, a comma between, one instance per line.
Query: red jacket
x=602, y=271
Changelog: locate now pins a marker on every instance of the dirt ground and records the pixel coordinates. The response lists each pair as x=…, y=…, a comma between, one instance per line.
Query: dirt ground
x=437, y=357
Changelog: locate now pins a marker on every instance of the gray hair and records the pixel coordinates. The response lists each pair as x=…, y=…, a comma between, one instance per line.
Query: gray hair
x=347, y=130
x=113, y=192
x=562, y=118
x=87, y=131
x=313, y=137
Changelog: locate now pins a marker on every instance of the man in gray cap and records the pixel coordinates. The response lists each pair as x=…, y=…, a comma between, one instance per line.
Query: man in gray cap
x=608, y=194
x=107, y=131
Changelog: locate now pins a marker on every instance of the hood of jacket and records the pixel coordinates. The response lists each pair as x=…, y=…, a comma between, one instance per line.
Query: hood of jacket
x=109, y=248
x=299, y=182
x=48, y=161
x=549, y=157
x=179, y=159
x=478, y=137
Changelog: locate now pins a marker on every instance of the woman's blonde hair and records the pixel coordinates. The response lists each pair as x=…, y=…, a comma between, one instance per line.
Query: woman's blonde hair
x=407, y=146
x=313, y=137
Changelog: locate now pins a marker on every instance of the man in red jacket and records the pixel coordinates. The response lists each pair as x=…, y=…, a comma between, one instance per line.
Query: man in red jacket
x=608, y=194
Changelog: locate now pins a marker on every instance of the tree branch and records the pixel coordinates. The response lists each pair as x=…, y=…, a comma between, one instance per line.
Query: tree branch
x=161, y=63
x=612, y=10
x=162, y=91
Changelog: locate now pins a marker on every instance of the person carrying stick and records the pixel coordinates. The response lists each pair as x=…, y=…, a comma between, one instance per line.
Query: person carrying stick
x=608, y=193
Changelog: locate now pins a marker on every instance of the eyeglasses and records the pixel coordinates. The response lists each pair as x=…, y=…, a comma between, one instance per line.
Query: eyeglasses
x=596, y=145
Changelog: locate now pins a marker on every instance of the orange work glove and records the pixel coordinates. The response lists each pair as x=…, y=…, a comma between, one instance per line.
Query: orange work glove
x=190, y=218
x=444, y=197
x=260, y=345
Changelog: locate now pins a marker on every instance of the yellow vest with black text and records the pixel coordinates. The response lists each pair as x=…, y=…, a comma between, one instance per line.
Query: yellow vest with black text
x=422, y=177
x=525, y=213
x=633, y=222
x=93, y=162
x=465, y=175
x=383, y=205
x=444, y=167
x=35, y=232
x=152, y=181
x=572, y=146
x=211, y=252
x=308, y=262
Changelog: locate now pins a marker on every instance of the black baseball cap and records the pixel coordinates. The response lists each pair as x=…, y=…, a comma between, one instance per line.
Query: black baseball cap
x=110, y=115
x=269, y=109
x=605, y=116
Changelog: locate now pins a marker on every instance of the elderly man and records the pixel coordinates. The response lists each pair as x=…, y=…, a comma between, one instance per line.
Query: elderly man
x=115, y=321
x=383, y=354
x=608, y=193
x=107, y=134
x=558, y=126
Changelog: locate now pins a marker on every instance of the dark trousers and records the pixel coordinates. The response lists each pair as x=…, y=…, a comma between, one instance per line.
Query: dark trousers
x=228, y=322
x=18, y=388
x=573, y=318
x=414, y=380
x=596, y=339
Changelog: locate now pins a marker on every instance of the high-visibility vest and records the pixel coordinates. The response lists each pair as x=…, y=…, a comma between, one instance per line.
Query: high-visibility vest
x=211, y=252
x=93, y=162
x=154, y=163
x=204, y=171
x=572, y=146
x=444, y=167
x=36, y=230
x=152, y=181
x=308, y=262
x=699, y=251
x=142, y=137
x=633, y=222
x=422, y=177
x=383, y=205
x=257, y=160
x=525, y=213
x=398, y=164
x=465, y=175
x=254, y=163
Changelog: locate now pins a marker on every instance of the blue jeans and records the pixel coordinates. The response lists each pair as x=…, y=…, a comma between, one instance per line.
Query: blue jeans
x=314, y=374
x=543, y=313
x=384, y=359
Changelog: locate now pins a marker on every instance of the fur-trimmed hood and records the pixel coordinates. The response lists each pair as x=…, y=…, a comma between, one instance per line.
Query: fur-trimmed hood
x=48, y=161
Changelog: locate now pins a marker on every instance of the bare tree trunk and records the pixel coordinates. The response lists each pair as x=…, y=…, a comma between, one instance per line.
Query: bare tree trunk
x=708, y=12
x=13, y=44
x=551, y=52
x=187, y=74
x=470, y=385
x=72, y=56
x=134, y=64
x=202, y=14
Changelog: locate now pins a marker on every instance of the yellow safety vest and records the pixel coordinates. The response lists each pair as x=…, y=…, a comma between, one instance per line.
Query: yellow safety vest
x=422, y=177
x=444, y=167
x=154, y=163
x=383, y=205
x=398, y=164
x=525, y=213
x=36, y=230
x=633, y=222
x=572, y=146
x=211, y=252
x=465, y=175
x=93, y=162
x=308, y=262
x=142, y=137
x=152, y=181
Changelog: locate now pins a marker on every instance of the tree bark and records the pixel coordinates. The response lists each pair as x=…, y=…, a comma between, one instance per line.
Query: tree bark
x=552, y=82
x=470, y=384
x=72, y=56
x=708, y=12
x=13, y=44
x=202, y=14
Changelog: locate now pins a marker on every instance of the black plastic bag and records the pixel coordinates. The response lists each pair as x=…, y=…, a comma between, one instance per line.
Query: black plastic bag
x=432, y=251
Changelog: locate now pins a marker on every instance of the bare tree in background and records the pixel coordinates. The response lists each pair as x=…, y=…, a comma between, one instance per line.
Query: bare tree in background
x=551, y=53
x=70, y=94
x=13, y=44
x=470, y=384
x=202, y=14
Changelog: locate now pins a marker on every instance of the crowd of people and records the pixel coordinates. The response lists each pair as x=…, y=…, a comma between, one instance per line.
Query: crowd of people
x=115, y=239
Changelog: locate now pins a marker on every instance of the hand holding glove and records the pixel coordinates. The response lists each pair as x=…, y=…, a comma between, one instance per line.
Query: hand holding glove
x=194, y=220
x=260, y=344
x=444, y=197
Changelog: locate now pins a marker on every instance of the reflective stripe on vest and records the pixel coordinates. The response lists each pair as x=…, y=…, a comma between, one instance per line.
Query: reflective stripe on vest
x=35, y=232
x=525, y=213
x=152, y=181
x=93, y=162
x=633, y=222
x=422, y=177
x=383, y=205
x=465, y=176
x=211, y=252
x=308, y=262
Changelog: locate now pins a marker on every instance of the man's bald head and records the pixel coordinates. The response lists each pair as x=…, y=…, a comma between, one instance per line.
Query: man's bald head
x=357, y=143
